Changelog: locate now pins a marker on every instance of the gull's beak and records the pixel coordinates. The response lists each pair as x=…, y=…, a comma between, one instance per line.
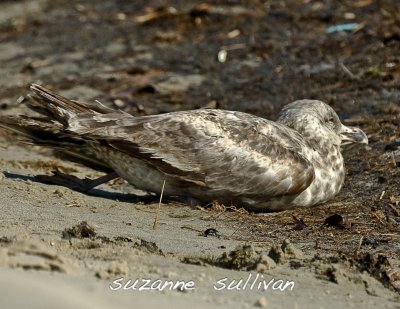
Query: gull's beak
x=351, y=135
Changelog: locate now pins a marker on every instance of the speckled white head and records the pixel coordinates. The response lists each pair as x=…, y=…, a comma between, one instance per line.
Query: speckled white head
x=316, y=121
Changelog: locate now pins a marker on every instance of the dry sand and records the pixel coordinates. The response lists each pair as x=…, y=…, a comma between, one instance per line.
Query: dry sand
x=39, y=268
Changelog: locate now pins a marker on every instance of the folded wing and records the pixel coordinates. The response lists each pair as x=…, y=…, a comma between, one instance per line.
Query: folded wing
x=225, y=152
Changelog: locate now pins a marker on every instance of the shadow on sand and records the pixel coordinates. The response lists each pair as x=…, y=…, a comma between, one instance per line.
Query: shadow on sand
x=123, y=197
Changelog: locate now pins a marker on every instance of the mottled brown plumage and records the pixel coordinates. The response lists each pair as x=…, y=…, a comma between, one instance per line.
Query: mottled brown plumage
x=233, y=157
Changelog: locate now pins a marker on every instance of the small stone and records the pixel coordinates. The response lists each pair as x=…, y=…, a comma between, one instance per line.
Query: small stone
x=233, y=34
x=261, y=302
x=121, y=16
x=222, y=55
x=119, y=103
x=349, y=15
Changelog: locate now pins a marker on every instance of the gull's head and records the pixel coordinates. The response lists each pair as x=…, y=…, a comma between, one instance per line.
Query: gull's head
x=319, y=123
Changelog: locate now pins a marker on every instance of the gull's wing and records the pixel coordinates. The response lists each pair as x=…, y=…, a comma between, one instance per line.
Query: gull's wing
x=230, y=152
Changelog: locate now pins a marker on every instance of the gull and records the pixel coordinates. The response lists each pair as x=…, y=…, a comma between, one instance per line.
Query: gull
x=199, y=156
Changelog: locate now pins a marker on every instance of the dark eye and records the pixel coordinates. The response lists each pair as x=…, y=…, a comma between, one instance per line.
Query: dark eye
x=331, y=119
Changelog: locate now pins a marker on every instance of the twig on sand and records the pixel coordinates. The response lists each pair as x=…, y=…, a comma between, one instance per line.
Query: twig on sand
x=348, y=72
x=158, y=208
x=360, y=243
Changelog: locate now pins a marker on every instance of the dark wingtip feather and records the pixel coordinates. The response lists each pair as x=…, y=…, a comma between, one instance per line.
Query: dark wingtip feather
x=35, y=129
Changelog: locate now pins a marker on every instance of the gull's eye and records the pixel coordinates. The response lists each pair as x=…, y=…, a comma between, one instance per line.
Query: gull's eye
x=331, y=119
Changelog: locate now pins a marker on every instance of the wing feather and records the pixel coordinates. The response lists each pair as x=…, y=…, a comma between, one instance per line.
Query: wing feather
x=226, y=152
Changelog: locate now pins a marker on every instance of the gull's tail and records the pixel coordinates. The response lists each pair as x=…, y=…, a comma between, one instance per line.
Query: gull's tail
x=60, y=108
x=51, y=129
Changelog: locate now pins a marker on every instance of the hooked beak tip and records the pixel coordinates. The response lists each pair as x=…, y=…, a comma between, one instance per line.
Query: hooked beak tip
x=353, y=135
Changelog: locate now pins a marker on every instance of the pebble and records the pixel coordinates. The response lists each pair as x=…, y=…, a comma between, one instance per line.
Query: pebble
x=261, y=302
x=222, y=55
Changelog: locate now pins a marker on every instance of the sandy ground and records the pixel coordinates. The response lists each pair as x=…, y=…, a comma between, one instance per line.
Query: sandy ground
x=50, y=258
x=38, y=263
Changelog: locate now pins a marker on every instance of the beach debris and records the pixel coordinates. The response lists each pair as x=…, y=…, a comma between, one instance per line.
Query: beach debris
x=335, y=220
x=211, y=232
x=233, y=34
x=317, y=69
x=222, y=54
x=342, y=27
x=155, y=14
x=82, y=230
x=149, y=246
x=378, y=266
x=299, y=224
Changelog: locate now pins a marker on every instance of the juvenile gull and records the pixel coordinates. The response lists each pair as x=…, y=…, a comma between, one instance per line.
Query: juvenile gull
x=203, y=155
